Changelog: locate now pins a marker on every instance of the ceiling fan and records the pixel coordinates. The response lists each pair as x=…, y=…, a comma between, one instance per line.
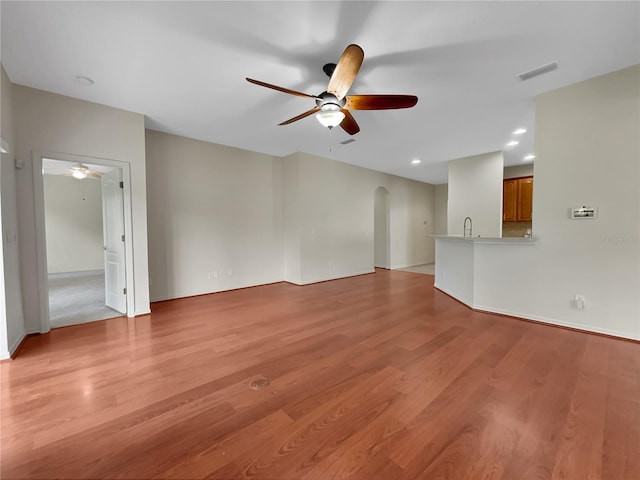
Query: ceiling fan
x=333, y=106
x=79, y=171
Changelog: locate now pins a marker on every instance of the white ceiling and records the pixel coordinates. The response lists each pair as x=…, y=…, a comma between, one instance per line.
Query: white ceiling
x=183, y=65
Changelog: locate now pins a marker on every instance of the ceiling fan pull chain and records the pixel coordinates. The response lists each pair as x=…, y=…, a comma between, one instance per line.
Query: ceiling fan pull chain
x=330, y=139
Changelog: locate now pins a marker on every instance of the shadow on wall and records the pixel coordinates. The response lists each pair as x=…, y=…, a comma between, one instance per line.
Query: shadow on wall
x=381, y=235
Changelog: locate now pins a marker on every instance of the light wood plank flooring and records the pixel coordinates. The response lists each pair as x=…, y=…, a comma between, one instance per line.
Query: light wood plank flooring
x=373, y=377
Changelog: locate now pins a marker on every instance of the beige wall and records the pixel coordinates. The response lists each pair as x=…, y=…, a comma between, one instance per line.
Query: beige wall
x=216, y=214
x=382, y=233
x=332, y=222
x=519, y=171
x=215, y=209
x=441, y=201
x=215, y=217
x=475, y=191
x=53, y=123
x=12, y=328
x=291, y=217
x=73, y=219
x=587, y=153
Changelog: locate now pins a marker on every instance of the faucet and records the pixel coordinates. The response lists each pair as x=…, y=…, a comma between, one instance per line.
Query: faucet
x=464, y=227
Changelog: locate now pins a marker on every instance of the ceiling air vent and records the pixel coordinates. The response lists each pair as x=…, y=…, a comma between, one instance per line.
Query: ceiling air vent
x=347, y=141
x=550, y=67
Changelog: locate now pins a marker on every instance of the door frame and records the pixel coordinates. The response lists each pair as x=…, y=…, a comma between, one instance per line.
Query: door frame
x=110, y=183
x=40, y=230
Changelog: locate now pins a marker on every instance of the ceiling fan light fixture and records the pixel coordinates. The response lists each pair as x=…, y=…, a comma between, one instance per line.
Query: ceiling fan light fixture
x=333, y=106
x=79, y=171
x=330, y=115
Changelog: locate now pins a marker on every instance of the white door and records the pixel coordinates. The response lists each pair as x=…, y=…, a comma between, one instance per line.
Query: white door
x=113, y=234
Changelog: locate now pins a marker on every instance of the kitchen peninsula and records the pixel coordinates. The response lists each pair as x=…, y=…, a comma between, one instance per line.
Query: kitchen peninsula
x=463, y=264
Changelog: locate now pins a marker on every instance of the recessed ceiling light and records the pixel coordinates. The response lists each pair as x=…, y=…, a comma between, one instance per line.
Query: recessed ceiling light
x=531, y=156
x=512, y=143
x=519, y=131
x=416, y=161
x=86, y=81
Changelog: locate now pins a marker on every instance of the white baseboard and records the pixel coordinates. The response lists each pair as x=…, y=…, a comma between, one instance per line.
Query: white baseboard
x=540, y=319
x=556, y=322
x=466, y=301
x=164, y=298
x=337, y=277
x=396, y=267
x=13, y=347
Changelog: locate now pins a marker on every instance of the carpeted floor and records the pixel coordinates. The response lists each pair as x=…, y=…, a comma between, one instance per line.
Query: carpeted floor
x=77, y=297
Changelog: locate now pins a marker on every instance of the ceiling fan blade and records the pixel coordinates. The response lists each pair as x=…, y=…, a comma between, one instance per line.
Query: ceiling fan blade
x=379, y=102
x=96, y=175
x=346, y=70
x=280, y=89
x=301, y=116
x=349, y=123
x=56, y=170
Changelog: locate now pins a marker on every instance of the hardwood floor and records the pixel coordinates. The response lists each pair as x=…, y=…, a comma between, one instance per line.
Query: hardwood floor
x=377, y=376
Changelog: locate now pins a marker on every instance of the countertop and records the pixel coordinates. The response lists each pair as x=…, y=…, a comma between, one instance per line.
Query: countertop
x=489, y=240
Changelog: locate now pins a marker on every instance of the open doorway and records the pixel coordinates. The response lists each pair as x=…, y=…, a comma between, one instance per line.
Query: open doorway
x=85, y=250
x=381, y=228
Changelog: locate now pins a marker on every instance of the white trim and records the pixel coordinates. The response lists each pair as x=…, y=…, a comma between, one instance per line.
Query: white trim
x=543, y=320
x=42, y=286
x=14, y=346
x=466, y=301
x=337, y=277
x=554, y=321
x=189, y=295
x=5, y=355
x=396, y=267
x=40, y=233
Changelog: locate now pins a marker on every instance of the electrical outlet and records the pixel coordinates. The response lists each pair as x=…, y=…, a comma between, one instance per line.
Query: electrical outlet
x=579, y=302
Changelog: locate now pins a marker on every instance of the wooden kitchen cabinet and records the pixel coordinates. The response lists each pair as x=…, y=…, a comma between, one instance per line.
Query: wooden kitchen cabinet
x=517, y=199
x=510, y=200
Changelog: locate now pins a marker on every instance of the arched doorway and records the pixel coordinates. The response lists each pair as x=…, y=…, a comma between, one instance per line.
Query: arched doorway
x=381, y=230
